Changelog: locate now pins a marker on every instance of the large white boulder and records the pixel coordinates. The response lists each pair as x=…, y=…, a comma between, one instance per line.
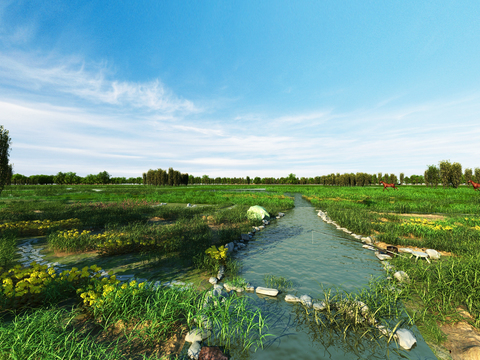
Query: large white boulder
x=319, y=306
x=405, y=338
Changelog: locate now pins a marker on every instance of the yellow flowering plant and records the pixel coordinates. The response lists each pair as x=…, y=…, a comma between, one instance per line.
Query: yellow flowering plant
x=219, y=254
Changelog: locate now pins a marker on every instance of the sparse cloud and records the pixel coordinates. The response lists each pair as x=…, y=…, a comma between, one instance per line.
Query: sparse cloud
x=91, y=82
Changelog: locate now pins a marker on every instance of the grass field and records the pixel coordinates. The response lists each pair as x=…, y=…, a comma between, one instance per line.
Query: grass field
x=76, y=314
x=437, y=291
x=119, y=221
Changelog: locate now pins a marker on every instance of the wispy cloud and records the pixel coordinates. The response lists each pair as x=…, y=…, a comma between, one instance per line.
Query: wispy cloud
x=91, y=82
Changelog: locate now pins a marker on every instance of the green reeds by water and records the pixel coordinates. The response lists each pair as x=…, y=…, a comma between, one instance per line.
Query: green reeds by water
x=151, y=317
x=277, y=282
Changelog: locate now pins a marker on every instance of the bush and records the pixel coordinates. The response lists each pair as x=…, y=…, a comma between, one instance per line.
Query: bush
x=8, y=244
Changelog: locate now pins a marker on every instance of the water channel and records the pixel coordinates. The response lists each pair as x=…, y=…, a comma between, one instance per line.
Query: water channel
x=285, y=248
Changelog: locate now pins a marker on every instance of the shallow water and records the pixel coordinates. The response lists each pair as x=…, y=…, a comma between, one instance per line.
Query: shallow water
x=285, y=248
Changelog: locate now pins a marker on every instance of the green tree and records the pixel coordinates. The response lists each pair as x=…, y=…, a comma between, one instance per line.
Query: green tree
x=292, y=179
x=455, y=175
x=445, y=172
x=402, y=178
x=5, y=170
x=477, y=175
x=59, y=179
x=432, y=176
x=468, y=175
x=103, y=177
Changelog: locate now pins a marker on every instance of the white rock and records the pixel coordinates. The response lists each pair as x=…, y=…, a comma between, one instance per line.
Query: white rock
x=212, y=280
x=401, y=276
x=433, y=254
x=194, y=350
x=385, y=331
x=197, y=335
x=261, y=227
x=266, y=291
x=250, y=288
x=367, y=240
x=405, y=250
x=319, y=306
x=278, y=217
x=369, y=247
x=291, y=298
x=405, y=338
x=382, y=257
x=306, y=300
x=281, y=214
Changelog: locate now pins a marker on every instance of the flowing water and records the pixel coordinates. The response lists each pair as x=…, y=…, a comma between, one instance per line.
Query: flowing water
x=285, y=248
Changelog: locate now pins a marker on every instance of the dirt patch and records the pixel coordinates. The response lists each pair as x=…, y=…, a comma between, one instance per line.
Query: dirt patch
x=425, y=216
x=463, y=340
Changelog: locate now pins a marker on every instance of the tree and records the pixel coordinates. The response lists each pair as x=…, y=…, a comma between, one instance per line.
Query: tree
x=432, y=176
x=292, y=178
x=468, y=175
x=477, y=175
x=402, y=177
x=379, y=178
x=455, y=175
x=4, y=153
x=59, y=179
x=445, y=172
x=103, y=177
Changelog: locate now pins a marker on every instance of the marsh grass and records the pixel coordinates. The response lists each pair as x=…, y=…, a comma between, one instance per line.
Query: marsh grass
x=346, y=316
x=277, y=282
x=40, y=328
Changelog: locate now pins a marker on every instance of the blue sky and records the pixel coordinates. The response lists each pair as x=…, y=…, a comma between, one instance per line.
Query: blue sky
x=240, y=88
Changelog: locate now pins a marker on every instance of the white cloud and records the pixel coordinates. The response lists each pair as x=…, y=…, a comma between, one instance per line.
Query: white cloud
x=90, y=82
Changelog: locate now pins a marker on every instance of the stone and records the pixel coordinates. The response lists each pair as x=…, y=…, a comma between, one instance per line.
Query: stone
x=433, y=254
x=194, y=350
x=245, y=237
x=384, y=330
x=319, y=306
x=281, y=214
x=250, y=288
x=278, y=217
x=369, y=247
x=211, y=353
x=367, y=240
x=306, y=300
x=197, y=335
x=405, y=338
x=291, y=298
x=382, y=257
x=401, y=276
x=230, y=247
x=266, y=291
x=261, y=227
x=254, y=229
x=213, y=280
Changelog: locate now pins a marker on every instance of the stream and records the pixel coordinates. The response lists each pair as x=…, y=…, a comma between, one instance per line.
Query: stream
x=286, y=248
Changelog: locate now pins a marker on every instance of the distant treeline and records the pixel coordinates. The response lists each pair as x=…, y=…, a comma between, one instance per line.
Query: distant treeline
x=162, y=177
x=71, y=178
x=446, y=173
